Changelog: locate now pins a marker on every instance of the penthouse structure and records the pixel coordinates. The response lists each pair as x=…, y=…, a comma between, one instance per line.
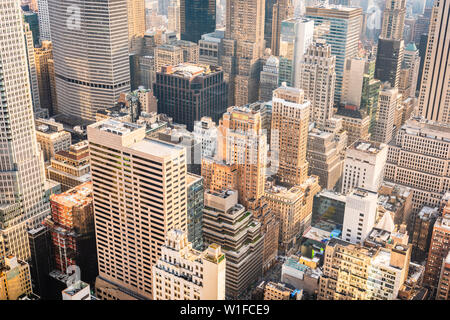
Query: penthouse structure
x=139, y=188
x=183, y=273
x=71, y=167
x=188, y=92
x=364, y=166
x=228, y=224
x=418, y=158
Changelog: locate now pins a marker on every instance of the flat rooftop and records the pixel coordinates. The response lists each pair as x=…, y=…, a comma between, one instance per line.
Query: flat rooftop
x=117, y=127
x=77, y=196
x=156, y=147
x=365, y=146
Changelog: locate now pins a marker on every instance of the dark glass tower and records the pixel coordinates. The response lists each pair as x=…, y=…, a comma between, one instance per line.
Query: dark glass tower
x=389, y=60
x=197, y=17
x=189, y=92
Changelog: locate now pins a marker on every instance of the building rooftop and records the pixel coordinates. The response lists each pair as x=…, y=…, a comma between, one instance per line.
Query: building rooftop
x=117, y=127
x=78, y=196
x=189, y=70
x=294, y=193
x=156, y=147
x=368, y=147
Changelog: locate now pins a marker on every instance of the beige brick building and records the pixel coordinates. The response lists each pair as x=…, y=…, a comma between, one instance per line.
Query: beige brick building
x=183, y=273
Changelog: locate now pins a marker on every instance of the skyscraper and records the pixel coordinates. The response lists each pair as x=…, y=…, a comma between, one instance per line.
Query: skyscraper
x=139, y=195
x=389, y=60
x=22, y=202
x=242, y=48
x=340, y=27
x=393, y=19
x=136, y=25
x=295, y=37
x=434, y=98
x=290, y=119
x=388, y=102
x=282, y=10
x=90, y=49
x=197, y=17
x=44, y=22
x=317, y=80
x=188, y=92
x=269, y=78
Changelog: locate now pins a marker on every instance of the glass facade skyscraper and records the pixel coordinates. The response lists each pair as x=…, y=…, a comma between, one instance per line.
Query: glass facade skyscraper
x=197, y=17
x=340, y=27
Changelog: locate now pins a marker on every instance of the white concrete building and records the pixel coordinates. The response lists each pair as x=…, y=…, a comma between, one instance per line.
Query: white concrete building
x=183, y=273
x=360, y=214
x=364, y=166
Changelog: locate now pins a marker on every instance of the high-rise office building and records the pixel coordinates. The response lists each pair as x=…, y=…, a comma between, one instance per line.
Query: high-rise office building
x=173, y=17
x=410, y=71
x=183, y=273
x=91, y=57
x=434, y=98
x=33, y=21
x=268, y=80
x=195, y=191
x=439, y=249
x=242, y=48
x=389, y=61
x=241, y=141
x=388, y=102
x=229, y=225
x=364, y=166
x=296, y=35
x=141, y=196
x=197, y=17
x=136, y=25
x=44, y=20
x=289, y=134
x=393, y=19
x=188, y=92
x=268, y=18
x=317, y=80
x=32, y=73
x=22, y=201
x=340, y=27
x=281, y=10
x=45, y=76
